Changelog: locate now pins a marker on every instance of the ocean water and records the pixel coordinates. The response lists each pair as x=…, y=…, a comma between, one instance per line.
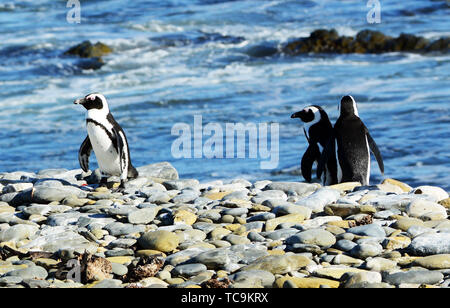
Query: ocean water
x=176, y=59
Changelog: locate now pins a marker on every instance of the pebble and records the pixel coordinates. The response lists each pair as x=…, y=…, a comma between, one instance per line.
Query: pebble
x=426, y=210
x=317, y=237
x=31, y=272
x=371, y=230
x=319, y=199
x=253, y=278
x=414, y=277
x=188, y=270
x=430, y=244
x=143, y=216
x=365, y=250
x=161, y=240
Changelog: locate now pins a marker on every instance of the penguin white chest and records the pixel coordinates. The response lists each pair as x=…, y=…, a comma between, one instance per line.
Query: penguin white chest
x=106, y=154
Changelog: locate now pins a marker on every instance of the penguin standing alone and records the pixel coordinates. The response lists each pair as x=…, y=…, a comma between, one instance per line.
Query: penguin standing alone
x=353, y=145
x=319, y=133
x=107, y=139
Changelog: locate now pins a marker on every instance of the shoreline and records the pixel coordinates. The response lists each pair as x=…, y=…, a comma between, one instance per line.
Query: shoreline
x=162, y=231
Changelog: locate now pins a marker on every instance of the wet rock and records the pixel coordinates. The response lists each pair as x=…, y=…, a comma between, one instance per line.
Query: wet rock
x=88, y=50
x=365, y=41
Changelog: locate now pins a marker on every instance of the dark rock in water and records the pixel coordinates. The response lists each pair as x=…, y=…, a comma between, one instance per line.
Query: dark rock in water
x=366, y=41
x=87, y=50
x=261, y=51
x=91, y=54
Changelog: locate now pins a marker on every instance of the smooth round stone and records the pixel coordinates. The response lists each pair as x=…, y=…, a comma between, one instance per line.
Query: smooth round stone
x=344, y=245
x=281, y=264
x=143, y=216
x=255, y=237
x=430, y=244
x=236, y=239
x=379, y=264
x=441, y=261
x=192, y=235
x=122, y=243
x=118, y=228
x=372, y=230
x=46, y=194
x=17, y=233
x=218, y=233
x=299, y=188
x=318, y=237
x=32, y=272
x=189, y=269
x=254, y=225
x=161, y=240
x=187, y=196
x=436, y=192
x=288, y=208
x=10, y=280
x=228, y=219
x=261, y=217
x=216, y=258
x=281, y=233
x=214, y=215
x=319, y=199
x=362, y=277
x=118, y=252
x=404, y=223
x=254, y=277
x=235, y=211
x=119, y=269
x=184, y=217
x=365, y=250
x=180, y=184
x=426, y=210
x=414, y=277
x=386, y=214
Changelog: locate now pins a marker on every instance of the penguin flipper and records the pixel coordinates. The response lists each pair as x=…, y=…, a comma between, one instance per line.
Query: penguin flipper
x=119, y=143
x=328, y=152
x=84, y=153
x=374, y=148
x=311, y=155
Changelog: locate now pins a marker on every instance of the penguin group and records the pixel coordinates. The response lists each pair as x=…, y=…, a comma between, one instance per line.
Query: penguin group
x=341, y=152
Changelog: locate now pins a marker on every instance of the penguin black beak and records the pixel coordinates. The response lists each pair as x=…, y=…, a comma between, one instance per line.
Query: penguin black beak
x=295, y=115
x=79, y=101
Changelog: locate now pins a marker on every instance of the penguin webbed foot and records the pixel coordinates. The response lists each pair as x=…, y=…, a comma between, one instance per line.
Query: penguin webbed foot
x=120, y=188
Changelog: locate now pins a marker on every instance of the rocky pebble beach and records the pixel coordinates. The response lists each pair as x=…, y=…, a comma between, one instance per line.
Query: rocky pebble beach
x=59, y=229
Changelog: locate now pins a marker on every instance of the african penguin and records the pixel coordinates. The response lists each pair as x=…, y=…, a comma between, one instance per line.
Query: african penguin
x=319, y=133
x=107, y=139
x=353, y=145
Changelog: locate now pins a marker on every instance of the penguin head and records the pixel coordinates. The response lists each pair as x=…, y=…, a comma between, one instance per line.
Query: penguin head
x=348, y=107
x=92, y=101
x=309, y=114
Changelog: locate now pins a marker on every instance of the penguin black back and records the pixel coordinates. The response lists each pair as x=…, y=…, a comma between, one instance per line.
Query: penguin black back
x=353, y=145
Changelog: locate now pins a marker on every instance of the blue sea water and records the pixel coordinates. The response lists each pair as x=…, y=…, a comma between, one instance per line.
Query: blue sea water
x=176, y=59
